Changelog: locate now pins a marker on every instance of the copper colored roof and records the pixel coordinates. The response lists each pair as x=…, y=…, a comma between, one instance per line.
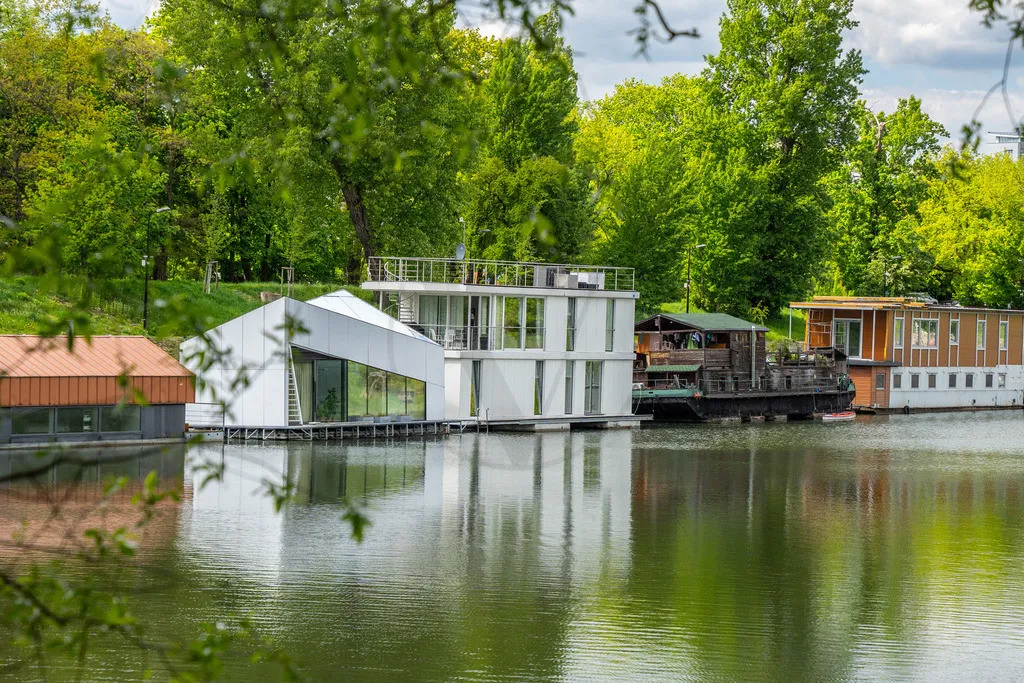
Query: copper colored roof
x=28, y=356
x=36, y=371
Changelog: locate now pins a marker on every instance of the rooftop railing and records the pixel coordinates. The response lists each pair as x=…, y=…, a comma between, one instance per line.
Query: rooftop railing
x=499, y=273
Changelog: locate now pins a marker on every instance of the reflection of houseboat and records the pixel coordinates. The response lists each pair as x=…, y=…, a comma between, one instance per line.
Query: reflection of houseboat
x=712, y=366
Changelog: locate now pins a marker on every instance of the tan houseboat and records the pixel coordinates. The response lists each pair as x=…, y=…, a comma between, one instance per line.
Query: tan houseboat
x=909, y=353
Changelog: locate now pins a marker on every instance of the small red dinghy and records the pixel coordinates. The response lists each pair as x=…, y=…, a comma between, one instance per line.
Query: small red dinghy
x=845, y=416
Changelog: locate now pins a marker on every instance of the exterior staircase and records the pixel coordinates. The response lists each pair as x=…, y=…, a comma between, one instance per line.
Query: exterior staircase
x=294, y=408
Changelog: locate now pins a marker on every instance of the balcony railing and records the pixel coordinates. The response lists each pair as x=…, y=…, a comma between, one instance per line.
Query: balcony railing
x=499, y=273
x=484, y=338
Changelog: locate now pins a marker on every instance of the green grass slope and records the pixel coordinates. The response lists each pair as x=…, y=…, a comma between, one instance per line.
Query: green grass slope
x=26, y=305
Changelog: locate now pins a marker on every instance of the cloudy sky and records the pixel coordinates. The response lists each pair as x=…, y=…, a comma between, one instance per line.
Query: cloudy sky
x=934, y=49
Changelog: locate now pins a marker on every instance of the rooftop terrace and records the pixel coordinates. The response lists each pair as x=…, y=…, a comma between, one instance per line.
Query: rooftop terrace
x=499, y=273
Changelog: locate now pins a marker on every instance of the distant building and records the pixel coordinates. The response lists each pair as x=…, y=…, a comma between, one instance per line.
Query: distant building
x=524, y=343
x=93, y=393
x=917, y=354
x=334, y=359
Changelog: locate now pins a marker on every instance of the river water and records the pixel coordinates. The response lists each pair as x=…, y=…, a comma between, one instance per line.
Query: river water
x=886, y=548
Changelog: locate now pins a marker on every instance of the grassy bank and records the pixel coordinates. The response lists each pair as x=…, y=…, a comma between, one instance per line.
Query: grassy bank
x=778, y=325
x=116, y=307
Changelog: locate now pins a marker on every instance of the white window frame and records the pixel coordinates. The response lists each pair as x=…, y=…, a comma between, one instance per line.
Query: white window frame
x=898, y=331
x=897, y=380
x=1004, y=335
x=954, y=339
x=860, y=341
x=982, y=333
x=1001, y=380
x=917, y=327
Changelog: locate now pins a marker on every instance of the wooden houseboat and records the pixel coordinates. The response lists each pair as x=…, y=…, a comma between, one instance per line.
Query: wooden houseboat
x=706, y=366
x=913, y=353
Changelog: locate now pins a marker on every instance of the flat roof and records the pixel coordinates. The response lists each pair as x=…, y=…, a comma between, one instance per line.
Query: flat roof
x=876, y=303
x=99, y=356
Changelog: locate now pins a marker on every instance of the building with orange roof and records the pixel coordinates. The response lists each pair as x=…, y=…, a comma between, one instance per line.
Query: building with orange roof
x=910, y=353
x=102, y=389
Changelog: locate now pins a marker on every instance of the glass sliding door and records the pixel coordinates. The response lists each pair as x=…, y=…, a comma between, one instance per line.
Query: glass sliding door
x=330, y=391
x=846, y=337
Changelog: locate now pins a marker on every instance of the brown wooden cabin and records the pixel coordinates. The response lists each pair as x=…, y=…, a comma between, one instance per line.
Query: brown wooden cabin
x=715, y=351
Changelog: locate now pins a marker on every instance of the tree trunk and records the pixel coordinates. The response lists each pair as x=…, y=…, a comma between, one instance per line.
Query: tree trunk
x=353, y=194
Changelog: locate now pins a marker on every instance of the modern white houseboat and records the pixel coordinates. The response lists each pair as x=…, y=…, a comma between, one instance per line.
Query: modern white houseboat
x=531, y=344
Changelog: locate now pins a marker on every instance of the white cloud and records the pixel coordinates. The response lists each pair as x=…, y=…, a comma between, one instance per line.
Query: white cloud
x=939, y=33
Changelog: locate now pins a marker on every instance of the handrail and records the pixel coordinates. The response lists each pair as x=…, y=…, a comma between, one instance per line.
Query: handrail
x=499, y=273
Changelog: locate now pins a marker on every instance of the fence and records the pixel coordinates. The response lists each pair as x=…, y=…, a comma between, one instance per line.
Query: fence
x=499, y=273
x=484, y=338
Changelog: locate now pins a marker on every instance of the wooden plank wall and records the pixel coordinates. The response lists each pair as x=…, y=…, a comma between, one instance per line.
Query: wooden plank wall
x=93, y=391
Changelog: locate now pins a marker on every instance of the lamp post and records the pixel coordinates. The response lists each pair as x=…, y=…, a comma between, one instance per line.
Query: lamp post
x=145, y=267
x=885, y=272
x=689, y=252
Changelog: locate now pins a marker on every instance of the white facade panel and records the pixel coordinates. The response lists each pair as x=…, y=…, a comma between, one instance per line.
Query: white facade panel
x=257, y=341
x=943, y=396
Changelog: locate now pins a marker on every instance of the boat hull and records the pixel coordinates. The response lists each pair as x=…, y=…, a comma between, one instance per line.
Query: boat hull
x=671, y=407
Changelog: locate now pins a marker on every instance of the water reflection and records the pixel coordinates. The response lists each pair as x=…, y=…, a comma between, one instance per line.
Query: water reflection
x=890, y=548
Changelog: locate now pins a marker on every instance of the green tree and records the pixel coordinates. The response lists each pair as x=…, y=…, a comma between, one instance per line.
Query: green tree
x=886, y=176
x=525, y=199
x=783, y=73
x=375, y=98
x=972, y=225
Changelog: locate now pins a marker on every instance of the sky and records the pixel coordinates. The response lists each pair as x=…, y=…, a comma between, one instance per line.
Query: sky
x=934, y=49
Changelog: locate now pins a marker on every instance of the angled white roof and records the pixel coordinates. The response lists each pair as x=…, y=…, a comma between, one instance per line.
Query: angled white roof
x=347, y=304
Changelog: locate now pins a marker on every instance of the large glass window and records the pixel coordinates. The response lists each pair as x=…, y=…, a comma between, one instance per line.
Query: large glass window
x=511, y=309
x=72, y=420
x=417, y=393
x=592, y=387
x=433, y=316
x=376, y=392
x=1004, y=335
x=954, y=332
x=609, y=325
x=31, y=420
x=330, y=390
x=356, y=383
x=847, y=337
x=982, y=325
x=570, y=325
x=570, y=368
x=897, y=333
x=123, y=418
x=538, y=388
x=534, y=323
x=925, y=333
x=398, y=399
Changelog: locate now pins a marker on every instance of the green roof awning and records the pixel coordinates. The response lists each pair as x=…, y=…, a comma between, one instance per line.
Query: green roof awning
x=714, y=322
x=672, y=368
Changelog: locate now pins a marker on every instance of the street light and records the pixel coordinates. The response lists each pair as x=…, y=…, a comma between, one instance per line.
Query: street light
x=145, y=268
x=688, y=253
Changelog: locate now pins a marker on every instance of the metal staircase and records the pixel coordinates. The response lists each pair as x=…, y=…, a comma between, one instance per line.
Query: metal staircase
x=294, y=408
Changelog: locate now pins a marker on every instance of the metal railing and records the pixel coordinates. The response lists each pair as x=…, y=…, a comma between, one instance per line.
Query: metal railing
x=483, y=338
x=499, y=273
x=205, y=415
x=738, y=387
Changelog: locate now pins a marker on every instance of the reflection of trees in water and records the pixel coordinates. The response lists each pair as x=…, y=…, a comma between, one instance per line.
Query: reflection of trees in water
x=791, y=555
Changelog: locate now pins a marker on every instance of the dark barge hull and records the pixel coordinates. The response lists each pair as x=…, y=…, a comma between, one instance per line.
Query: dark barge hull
x=674, y=406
